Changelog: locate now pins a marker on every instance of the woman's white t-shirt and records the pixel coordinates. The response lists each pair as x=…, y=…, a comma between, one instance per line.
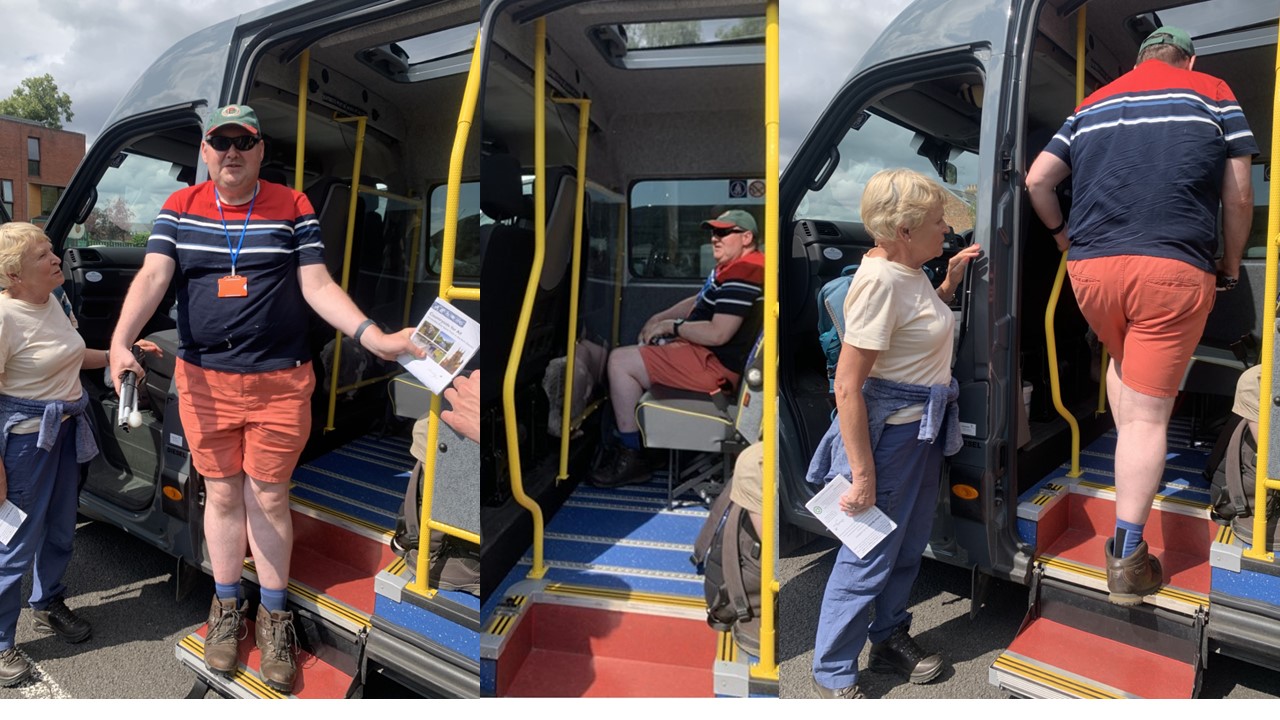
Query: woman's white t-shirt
x=40, y=354
x=894, y=309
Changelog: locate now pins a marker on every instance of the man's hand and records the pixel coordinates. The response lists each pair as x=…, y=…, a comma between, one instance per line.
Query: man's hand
x=391, y=346
x=122, y=360
x=655, y=329
x=4, y=485
x=464, y=396
x=1062, y=241
x=860, y=495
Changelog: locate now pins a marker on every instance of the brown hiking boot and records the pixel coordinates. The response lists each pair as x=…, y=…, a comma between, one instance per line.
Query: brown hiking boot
x=278, y=642
x=222, y=638
x=1129, y=578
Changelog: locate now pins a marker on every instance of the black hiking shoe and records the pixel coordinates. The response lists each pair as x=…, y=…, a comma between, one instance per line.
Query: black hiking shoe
x=899, y=653
x=57, y=619
x=629, y=467
x=846, y=693
x=14, y=667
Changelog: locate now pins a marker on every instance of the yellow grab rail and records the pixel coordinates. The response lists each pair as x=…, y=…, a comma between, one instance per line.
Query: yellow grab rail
x=1265, y=482
x=360, y=122
x=448, y=243
x=767, y=667
x=299, y=157
x=584, y=124
x=526, y=309
x=1051, y=311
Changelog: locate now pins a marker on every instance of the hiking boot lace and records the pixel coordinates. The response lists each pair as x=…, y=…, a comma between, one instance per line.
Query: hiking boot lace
x=284, y=642
x=59, y=611
x=905, y=645
x=227, y=625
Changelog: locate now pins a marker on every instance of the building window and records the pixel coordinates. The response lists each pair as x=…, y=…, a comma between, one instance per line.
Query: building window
x=6, y=196
x=48, y=198
x=33, y=157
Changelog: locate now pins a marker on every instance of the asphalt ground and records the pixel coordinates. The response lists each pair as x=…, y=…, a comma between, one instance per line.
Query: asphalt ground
x=940, y=622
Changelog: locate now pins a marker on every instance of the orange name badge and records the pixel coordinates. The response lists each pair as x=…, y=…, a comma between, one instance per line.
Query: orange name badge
x=232, y=286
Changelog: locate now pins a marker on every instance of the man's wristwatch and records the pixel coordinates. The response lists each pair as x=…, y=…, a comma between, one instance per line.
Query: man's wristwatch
x=675, y=326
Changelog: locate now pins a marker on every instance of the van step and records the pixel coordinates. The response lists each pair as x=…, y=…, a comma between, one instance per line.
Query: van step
x=316, y=679
x=1075, y=644
x=565, y=650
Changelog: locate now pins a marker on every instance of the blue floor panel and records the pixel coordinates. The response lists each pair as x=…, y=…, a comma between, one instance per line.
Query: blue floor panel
x=634, y=583
x=619, y=524
x=670, y=561
x=380, y=518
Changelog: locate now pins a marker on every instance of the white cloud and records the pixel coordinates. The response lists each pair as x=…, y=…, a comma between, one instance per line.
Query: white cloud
x=96, y=51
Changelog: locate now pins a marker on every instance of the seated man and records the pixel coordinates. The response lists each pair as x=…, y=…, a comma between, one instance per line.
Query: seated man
x=700, y=343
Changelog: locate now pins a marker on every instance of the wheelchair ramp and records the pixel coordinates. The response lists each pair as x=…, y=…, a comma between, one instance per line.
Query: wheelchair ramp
x=1074, y=642
x=620, y=612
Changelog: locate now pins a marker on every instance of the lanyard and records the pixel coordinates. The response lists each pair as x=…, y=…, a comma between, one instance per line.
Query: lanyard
x=235, y=252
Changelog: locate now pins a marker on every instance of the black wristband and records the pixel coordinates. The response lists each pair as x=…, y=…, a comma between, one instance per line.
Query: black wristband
x=1061, y=226
x=360, y=330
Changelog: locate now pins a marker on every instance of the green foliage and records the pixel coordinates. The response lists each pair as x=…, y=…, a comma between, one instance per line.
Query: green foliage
x=752, y=27
x=38, y=99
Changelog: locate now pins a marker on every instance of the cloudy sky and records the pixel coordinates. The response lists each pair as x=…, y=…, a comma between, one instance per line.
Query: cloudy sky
x=95, y=51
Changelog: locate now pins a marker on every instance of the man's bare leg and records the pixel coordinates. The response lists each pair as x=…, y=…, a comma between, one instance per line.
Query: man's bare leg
x=1142, y=426
x=224, y=527
x=270, y=531
x=628, y=380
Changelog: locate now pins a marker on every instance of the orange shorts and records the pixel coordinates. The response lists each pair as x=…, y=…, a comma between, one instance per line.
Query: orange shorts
x=686, y=366
x=1149, y=312
x=255, y=422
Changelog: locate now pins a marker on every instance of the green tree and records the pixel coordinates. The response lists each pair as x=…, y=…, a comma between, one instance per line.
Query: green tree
x=752, y=28
x=666, y=34
x=38, y=99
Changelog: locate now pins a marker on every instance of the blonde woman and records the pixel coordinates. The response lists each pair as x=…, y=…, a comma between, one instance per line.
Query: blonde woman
x=894, y=398
x=46, y=435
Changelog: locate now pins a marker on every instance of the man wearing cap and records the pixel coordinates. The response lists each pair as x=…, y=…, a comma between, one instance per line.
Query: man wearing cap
x=248, y=261
x=1150, y=156
x=701, y=343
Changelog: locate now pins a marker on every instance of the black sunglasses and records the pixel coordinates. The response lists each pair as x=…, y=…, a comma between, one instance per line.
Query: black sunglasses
x=726, y=232
x=223, y=143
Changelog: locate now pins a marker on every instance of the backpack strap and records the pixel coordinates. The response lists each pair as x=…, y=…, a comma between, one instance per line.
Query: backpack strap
x=716, y=518
x=1220, y=448
x=411, y=507
x=737, y=590
x=1235, y=483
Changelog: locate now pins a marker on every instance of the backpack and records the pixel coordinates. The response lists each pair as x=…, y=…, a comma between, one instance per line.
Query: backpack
x=727, y=554
x=1231, y=472
x=455, y=563
x=831, y=319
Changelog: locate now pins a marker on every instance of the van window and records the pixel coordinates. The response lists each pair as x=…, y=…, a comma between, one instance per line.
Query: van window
x=605, y=220
x=130, y=195
x=879, y=143
x=665, y=236
x=470, y=219
x=1257, y=245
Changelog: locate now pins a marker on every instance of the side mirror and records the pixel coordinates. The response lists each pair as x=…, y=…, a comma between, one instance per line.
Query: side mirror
x=949, y=173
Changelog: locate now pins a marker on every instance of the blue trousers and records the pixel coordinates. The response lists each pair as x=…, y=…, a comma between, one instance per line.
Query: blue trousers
x=44, y=484
x=908, y=472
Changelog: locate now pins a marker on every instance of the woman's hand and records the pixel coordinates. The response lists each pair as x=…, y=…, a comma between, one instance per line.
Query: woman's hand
x=955, y=270
x=149, y=348
x=860, y=496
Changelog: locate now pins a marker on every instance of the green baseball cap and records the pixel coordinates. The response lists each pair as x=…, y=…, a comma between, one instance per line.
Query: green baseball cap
x=239, y=115
x=732, y=218
x=1169, y=35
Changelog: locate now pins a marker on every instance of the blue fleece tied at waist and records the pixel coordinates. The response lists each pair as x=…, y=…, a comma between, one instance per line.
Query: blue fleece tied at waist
x=884, y=398
x=15, y=410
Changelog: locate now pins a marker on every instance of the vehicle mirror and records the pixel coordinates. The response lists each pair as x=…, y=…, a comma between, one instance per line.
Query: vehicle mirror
x=949, y=173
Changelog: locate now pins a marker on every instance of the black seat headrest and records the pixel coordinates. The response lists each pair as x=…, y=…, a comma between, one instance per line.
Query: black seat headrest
x=501, y=188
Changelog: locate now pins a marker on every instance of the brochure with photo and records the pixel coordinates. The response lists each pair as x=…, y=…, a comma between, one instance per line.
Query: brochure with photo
x=450, y=338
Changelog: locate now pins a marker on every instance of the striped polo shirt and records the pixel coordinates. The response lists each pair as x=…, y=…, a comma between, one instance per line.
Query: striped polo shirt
x=267, y=330
x=735, y=288
x=1147, y=155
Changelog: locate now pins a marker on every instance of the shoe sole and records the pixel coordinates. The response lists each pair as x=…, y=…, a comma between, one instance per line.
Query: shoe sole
x=18, y=680
x=883, y=666
x=42, y=629
x=1129, y=599
x=279, y=687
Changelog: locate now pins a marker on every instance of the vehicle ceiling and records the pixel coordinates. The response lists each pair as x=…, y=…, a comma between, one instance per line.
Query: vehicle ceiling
x=692, y=100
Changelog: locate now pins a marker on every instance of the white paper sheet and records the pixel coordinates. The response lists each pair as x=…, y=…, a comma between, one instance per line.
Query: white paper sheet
x=11, y=517
x=450, y=338
x=861, y=532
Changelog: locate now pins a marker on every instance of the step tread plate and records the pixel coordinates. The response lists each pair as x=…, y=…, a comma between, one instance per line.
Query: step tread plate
x=316, y=679
x=1078, y=556
x=1068, y=662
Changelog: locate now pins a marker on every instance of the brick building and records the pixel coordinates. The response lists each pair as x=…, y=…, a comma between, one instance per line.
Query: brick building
x=36, y=163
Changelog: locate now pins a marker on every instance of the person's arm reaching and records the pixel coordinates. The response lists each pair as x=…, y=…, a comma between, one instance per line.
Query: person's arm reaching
x=464, y=398
x=660, y=323
x=1045, y=174
x=1237, y=212
x=336, y=307
x=140, y=303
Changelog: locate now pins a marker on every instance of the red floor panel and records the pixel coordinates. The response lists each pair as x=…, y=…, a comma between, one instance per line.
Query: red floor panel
x=315, y=679
x=1164, y=530
x=341, y=544
x=627, y=636
x=548, y=673
x=1107, y=662
x=1181, y=570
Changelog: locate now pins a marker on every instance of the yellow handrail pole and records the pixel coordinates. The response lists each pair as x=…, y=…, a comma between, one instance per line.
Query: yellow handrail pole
x=767, y=667
x=453, y=192
x=1265, y=482
x=299, y=158
x=535, y=272
x=584, y=124
x=346, y=256
x=1051, y=311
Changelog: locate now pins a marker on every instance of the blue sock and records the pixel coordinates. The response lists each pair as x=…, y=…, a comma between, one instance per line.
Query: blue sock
x=1128, y=536
x=630, y=439
x=227, y=592
x=273, y=600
